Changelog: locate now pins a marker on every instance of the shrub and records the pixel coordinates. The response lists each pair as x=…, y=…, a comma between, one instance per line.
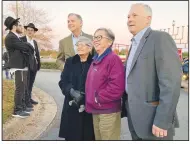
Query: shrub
x=49, y=65
x=185, y=54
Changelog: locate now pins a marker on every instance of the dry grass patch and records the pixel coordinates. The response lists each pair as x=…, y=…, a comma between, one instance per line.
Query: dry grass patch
x=8, y=99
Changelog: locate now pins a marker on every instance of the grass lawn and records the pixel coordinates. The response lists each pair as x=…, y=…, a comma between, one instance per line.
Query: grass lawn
x=8, y=99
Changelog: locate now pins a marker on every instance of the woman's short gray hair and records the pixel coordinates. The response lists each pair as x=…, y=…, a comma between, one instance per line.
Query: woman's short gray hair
x=85, y=40
x=108, y=32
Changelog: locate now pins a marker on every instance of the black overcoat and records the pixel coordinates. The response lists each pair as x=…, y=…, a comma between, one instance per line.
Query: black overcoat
x=17, y=51
x=75, y=125
x=24, y=39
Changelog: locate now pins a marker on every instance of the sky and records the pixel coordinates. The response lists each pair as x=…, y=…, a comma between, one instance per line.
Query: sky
x=110, y=14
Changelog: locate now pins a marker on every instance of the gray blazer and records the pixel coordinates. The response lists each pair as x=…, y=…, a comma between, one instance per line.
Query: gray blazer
x=155, y=75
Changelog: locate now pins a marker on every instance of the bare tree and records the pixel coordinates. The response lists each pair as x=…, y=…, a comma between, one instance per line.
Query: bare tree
x=30, y=14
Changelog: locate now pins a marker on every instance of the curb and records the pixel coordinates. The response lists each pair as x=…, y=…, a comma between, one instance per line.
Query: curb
x=50, y=70
x=32, y=127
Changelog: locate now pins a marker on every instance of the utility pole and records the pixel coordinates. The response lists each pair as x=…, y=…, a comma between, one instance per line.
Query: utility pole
x=16, y=9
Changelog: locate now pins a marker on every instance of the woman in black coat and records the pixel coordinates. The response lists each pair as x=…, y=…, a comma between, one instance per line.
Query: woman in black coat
x=76, y=124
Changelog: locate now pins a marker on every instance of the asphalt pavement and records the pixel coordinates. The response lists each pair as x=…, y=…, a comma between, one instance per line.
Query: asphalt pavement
x=48, y=82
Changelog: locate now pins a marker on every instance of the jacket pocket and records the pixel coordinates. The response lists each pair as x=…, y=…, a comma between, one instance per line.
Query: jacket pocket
x=151, y=104
x=96, y=99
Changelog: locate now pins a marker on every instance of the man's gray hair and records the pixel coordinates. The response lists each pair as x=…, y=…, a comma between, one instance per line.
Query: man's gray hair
x=146, y=7
x=77, y=15
x=108, y=32
x=85, y=40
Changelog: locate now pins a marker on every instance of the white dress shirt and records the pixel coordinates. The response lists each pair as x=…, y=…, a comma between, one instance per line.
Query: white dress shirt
x=135, y=43
x=31, y=41
x=17, y=35
x=75, y=40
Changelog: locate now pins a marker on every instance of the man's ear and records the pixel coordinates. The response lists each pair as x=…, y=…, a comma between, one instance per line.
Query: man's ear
x=149, y=19
x=81, y=23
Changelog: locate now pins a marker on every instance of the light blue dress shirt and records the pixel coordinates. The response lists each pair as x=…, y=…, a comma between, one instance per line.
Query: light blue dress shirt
x=75, y=40
x=135, y=43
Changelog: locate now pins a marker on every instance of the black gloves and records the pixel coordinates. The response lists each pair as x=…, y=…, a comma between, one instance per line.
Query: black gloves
x=77, y=96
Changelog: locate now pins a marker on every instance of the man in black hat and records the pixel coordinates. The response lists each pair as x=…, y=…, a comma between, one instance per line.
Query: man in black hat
x=30, y=31
x=18, y=55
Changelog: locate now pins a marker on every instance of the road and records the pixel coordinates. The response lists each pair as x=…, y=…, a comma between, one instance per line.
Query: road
x=48, y=81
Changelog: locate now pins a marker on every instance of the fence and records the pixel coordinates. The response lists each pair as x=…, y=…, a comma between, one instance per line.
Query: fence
x=117, y=48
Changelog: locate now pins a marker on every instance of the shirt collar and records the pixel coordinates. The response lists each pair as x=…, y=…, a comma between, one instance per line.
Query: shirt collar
x=28, y=39
x=105, y=53
x=139, y=35
x=73, y=36
x=17, y=35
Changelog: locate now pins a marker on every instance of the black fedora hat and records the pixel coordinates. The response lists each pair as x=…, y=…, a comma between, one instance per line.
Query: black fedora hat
x=31, y=25
x=9, y=22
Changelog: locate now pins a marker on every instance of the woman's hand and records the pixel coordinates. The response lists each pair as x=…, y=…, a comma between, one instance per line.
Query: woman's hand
x=76, y=95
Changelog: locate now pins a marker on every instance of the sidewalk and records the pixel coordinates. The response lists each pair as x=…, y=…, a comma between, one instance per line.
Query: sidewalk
x=32, y=127
x=184, y=84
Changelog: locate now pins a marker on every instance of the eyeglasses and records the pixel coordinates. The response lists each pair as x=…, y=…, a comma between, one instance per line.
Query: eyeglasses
x=99, y=37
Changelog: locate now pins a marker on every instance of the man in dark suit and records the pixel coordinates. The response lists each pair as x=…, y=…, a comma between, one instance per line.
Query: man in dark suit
x=18, y=52
x=30, y=31
x=153, y=79
x=67, y=47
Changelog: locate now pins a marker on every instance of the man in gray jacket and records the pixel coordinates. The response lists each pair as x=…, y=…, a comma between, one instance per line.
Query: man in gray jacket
x=153, y=78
